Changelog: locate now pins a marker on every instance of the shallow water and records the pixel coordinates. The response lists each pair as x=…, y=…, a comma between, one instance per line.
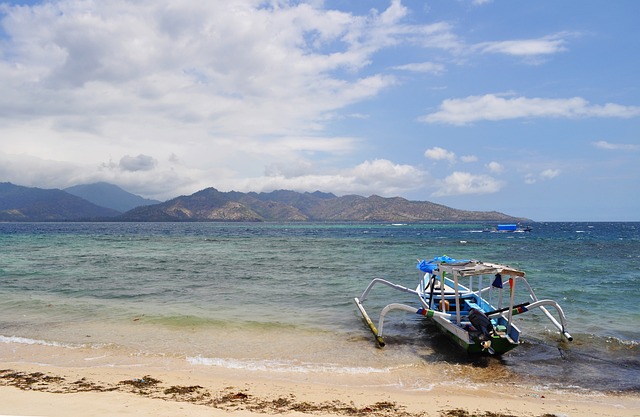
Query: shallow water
x=278, y=298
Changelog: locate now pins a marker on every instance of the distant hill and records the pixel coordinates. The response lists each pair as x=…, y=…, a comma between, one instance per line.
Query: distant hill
x=19, y=203
x=110, y=196
x=282, y=205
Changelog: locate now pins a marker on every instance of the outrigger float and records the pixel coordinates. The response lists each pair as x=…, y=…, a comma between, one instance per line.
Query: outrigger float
x=466, y=314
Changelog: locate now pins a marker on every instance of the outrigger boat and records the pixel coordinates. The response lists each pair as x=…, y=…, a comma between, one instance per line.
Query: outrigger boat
x=466, y=314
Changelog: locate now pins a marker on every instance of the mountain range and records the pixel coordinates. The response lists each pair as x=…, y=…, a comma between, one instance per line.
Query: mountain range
x=282, y=205
x=26, y=204
x=107, y=202
x=109, y=196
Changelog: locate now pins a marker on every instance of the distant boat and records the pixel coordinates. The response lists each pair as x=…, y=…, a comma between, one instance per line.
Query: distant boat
x=513, y=227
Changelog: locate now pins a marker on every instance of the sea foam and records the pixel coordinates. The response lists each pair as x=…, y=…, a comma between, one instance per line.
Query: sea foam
x=283, y=366
x=27, y=341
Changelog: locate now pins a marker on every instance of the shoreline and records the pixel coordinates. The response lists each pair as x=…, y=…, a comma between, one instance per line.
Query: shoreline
x=46, y=390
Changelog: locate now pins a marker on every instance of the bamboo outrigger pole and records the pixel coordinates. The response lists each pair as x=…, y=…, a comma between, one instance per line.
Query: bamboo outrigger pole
x=372, y=326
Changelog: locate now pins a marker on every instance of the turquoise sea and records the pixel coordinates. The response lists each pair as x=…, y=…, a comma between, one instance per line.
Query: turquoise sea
x=277, y=298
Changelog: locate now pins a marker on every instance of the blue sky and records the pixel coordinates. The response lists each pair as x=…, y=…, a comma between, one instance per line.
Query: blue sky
x=531, y=108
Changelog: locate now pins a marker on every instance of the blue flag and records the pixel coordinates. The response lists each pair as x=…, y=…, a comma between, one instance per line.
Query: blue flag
x=498, y=281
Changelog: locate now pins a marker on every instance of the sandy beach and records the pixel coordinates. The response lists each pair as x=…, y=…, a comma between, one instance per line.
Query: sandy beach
x=31, y=390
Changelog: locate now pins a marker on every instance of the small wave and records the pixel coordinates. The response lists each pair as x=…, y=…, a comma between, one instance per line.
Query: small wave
x=283, y=366
x=26, y=341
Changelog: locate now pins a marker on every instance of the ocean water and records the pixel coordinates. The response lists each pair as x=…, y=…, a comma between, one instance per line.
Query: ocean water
x=277, y=299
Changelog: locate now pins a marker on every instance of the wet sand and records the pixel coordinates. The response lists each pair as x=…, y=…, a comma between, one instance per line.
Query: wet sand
x=33, y=390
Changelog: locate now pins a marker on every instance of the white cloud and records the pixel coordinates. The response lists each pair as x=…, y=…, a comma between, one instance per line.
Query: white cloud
x=493, y=107
x=379, y=176
x=385, y=171
x=526, y=47
x=461, y=183
x=291, y=169
x=425, y=67
x=226, y=88
x=603, y=144
x=495, y=167
x=546, y=174
x=549, y=173
x=440, y=154
x=440, y=36
x=469, y=158
x=230, y=67
x=30, y=171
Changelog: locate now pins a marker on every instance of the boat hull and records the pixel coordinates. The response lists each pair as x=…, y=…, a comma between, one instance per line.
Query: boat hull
x=499, y=343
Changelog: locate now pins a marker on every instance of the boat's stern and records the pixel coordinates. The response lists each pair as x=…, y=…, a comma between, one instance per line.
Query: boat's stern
x=499, y=341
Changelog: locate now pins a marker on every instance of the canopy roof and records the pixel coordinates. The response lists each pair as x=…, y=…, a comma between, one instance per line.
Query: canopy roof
x=474, y=268
x=468, y=267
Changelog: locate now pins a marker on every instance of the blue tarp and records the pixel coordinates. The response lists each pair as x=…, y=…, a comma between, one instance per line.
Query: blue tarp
x=431, y=266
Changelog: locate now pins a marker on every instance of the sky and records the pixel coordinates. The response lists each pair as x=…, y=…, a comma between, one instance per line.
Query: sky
x=530, y=108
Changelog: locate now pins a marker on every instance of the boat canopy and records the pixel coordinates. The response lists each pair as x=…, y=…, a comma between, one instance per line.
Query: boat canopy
x=467, y=268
